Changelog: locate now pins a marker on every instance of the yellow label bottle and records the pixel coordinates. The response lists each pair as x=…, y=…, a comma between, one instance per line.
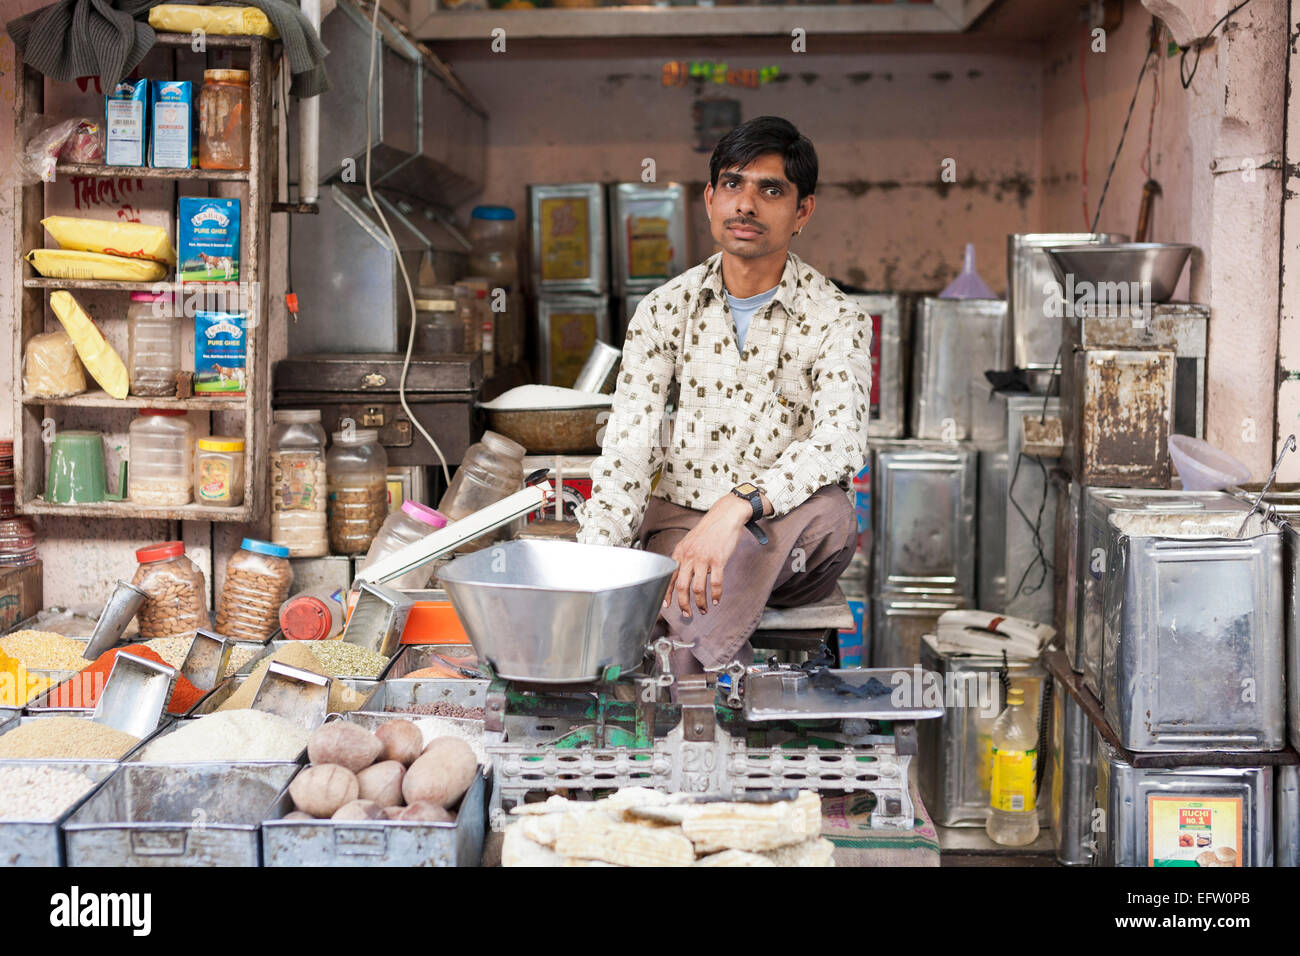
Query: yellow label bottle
x=1013, y=813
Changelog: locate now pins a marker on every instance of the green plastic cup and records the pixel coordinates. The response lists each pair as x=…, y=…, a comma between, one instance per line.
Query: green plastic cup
x=76, y=473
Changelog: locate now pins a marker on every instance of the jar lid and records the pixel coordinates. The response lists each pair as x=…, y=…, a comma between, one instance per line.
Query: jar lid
x=501, y=443
x=298, y=416
x=361, y=436
x=492, y=212
x=221, y=443
x=306, y=618
x=264, y=547
x=423, y=513
x=160, y=551
x=166, y=412
x=480, y=293
x=149, y=296
x=225, y=76
x=435, y=305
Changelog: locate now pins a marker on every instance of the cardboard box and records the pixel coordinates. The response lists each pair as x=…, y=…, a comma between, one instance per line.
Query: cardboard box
x=21, y=594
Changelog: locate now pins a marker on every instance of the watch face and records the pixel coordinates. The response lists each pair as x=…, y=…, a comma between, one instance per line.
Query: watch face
x=746, y=488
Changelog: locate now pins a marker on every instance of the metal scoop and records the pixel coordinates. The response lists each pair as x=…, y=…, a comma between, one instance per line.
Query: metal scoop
x=135, y=695
x=209, y=656
x=113, y=620
x=1288, y=445
x=377, y=620
x=294, y=694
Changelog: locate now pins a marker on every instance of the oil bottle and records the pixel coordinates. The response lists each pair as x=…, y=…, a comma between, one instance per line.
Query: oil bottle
x=1013, y=815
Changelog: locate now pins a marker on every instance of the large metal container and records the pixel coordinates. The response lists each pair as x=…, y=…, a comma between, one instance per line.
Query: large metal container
x=1035, y=326
x=178, y=815
x=377, y=842
x=1286, y=846
x=648, y=235
x=412, y=697
x=1069, y=605
x=991, y=566
x=40, y=842
x=1191, y=346
x=1193, y=634
x=899, y=623
x=1074, y=779
x=1148, y=816
x=568, y=238
x=221, y=693
x=953, y=339
x=1290, y=532
x=890, y=315
x=7, y=726
x=1097, y=505
x=956, y=750
x=1030, y=515
x=567, y=327
x=923, y=518
x=556, y=611
x=1118, y=414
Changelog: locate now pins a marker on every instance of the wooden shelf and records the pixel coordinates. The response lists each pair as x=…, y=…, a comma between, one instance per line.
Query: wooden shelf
x=210, y=40
x=149, y=172
x=101, y=399
x=128, y=509
x=113, y=285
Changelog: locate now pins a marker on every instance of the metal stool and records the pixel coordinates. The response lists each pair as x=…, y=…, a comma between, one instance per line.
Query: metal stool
x=803, y=628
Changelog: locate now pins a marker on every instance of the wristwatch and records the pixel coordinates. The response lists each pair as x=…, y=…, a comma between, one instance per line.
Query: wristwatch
x=749, y=491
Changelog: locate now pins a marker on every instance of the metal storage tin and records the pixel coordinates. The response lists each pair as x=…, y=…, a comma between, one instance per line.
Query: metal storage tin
x=40, y=842
x=1291, y=617
x=177, y=815
x=221, y=693
x=1036, y=335
x=377, y=842
x=1069, y=609
x=1097, y=505
x=1074, y=779
x=955, y=750
x=39, y=703
x=1191, y=346
x=624, y=310
x=953, y=339
x=890, y=321
x=1030, y=516
x=568, y=239
x=1127, y=797
x=1118, y=417
x=923, y=520
x=164, y=725
x=1286, y=846
x=899, y=623
x=645, y=258
x=1193, y=646
x=397, y=697
x=567, y=327
x=991, y=568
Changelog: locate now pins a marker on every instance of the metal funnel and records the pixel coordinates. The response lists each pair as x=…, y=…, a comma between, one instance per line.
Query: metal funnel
x=555, y=611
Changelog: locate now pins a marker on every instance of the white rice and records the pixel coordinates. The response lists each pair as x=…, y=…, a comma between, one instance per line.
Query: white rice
x=470, y=731
x=527, y=398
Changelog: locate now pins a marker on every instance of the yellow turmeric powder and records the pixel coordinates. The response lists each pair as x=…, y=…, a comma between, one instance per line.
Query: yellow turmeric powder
x=17, y=685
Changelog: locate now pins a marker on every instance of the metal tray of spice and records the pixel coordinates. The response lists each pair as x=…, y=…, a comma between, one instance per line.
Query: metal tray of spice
x=343, y=648
x=54, y=677
x=29, y=793
x=378, y=842
x=221, y=693
x=10, y=726
x=435, y=697
x=178, y=815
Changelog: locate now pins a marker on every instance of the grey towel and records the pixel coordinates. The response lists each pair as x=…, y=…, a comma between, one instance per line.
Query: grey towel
x=108, y=39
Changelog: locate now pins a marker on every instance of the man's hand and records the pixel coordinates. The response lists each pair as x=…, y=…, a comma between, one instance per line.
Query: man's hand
x=704, y=552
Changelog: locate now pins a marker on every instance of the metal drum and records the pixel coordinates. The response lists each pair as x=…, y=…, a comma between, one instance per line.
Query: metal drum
x=890, y=315
x=899, y=623
x=991, y=566
x=1287, y=824
x=1193, y=634
x=40, y=842
x=1074, y=778
x=953, y=337
x=1186, y=816
x=1030, y=515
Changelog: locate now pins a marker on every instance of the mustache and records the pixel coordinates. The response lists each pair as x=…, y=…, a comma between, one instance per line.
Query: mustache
x=745, y=222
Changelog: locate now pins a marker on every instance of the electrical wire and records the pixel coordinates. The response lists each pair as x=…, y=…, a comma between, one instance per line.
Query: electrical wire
x=1087, y=122
x=401, y=265
x=1145, y=163
x=1122, y=135
x=1196, y=45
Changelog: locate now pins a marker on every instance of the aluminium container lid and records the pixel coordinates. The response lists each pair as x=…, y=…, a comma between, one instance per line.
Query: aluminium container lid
x=298, y=416
x=362, y=436
x=264, y=547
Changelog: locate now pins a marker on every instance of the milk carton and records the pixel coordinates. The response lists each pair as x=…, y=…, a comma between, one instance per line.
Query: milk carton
x=126, y=120
x=172, y=144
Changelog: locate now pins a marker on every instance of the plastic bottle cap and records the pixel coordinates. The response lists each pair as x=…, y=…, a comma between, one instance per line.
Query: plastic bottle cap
x=306, y=618
x=264, y=547
x=165, y=412
x=221, y=443
x=492, y=212
x=434, y=519
x=160, y=551
x=1015, y=697
x=361, y=436
x=225, y=76
x=298, y=416
x=149, y=296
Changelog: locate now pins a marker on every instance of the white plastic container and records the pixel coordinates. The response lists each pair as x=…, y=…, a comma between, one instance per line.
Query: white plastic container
x=219, y=471
x=313, y=615
x=357, y=470
x=258, y=578
x=298, y=483
x=407, y=525
x=162, y=457
x=154, y=344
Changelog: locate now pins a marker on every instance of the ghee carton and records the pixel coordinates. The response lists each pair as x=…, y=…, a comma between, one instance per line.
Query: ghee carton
x=172, y=143
x=220, y=352
x=126, y=113
x=207, y=239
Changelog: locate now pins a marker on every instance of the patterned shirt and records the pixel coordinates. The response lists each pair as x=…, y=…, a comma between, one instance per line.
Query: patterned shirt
x=787, y=412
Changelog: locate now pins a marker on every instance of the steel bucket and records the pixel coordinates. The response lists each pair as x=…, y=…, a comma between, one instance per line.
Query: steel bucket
x=556, y=611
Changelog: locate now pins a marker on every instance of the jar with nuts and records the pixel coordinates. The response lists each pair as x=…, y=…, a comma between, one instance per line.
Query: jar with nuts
x=177, y=602
x=357, y=474
x=258, y=578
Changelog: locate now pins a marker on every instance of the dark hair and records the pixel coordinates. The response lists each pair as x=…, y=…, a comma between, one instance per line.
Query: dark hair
x=763, y=135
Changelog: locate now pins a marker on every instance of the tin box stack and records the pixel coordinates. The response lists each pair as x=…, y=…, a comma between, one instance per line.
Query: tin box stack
x=6, y=477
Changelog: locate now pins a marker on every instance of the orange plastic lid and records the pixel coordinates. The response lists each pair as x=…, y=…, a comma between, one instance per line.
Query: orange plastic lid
x=160, y=551
x=306, y=618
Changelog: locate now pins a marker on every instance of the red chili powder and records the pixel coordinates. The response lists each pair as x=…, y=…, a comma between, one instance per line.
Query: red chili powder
x=83, y=689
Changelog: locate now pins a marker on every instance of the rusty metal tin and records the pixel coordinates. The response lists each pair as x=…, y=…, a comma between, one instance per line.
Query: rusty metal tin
x=889, y=314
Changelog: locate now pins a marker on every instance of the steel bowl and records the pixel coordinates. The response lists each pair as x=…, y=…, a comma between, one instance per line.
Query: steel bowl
x=1157, y=263
x=558, y=612
x=553, y=431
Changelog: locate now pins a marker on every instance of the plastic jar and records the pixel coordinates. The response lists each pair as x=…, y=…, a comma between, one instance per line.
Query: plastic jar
x=439, y=327
x=154, y=344
x=357, y=478
x=407, y=525
x=298, y=493
x=224, y=106
x=492, y=230
x=492, y=469
x=162, y=457
x=258, y=578
x=219, y=471
x=177, y=602
x=312, y=615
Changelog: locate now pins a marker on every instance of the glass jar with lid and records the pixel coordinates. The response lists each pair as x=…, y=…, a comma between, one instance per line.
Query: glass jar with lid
x=439, y=327
x=176, y=602
x=492, y=469
x=258, y=578
x=298, y=483
x=493, y=232
x=224, y=131
x=154, y=344
x=219, y=471
x=162, y=457
x=407, y=525
x=356, y=471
